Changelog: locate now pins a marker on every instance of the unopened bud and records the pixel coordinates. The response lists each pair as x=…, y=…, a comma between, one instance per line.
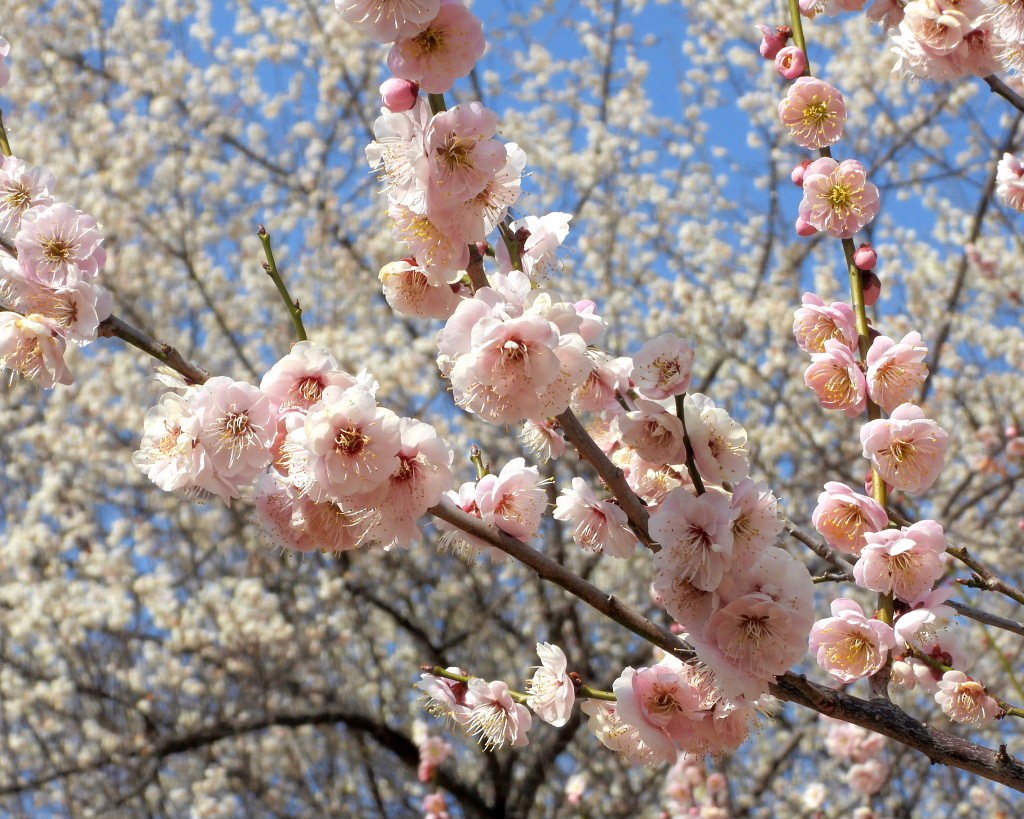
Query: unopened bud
x=804, y=228
x=399, y=95
x=872, y=286
x=772, y=42
x=798, y=173
x=865, y=257
x=791, y=62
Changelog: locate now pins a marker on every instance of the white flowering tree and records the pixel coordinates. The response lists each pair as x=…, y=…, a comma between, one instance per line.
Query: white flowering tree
x=641, y=387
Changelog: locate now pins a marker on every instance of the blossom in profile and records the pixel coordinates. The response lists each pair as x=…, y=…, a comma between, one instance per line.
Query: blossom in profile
x=663, y=367
x=544, y=235
x=30, y=345
x=815, y=322
x=409, y=291
x=838, y=199
x=907, y=449
x=843, y=517
x=444, y=50
x=837, y=380
x=22, y=188
x=965, y=700
x=551, y=690
x=444, y=697
x=494, y=717
x=439, y=249
x=904, y=562
x=513, y=500
x=849, y=645
x=597, y=525
x=385, y=21
x=1010, y=182
x=719, y=442
x=617, y=735
x=814, y=113
x=896, y=370
x=58, y=245
x=696, y=536
x=75, y=311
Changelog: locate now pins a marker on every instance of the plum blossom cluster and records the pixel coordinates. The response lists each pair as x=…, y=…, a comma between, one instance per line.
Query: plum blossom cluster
x=487, y=710
x=331, y=469
x=690, y=791
x=868, y=770
x=50, y=255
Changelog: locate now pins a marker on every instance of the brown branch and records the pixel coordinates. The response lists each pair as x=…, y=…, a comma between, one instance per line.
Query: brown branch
x=1003, y=90
x=115, y=327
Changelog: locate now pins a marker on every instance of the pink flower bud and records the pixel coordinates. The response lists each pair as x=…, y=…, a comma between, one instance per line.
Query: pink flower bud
x=797, y=174
x=771, y=42
x=865, y=257
x=791, y=62
x=399, y=95
x=804, y=228
x=872, y=287
x=1012, y=431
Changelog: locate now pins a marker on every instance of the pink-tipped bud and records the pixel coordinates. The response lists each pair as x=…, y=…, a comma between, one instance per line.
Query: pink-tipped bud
x=675, y=628
x=798, y=173
x=772, y=42
x=804, y=228
x=791, y=62
x=872, y=286
x=399, y=95
x=1012, y=431
x=865, y=257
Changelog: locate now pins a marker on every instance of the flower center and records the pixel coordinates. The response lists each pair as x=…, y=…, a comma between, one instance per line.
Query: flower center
x=58, y=250
x=429, y=41
x=350, y=441
x=816, y=113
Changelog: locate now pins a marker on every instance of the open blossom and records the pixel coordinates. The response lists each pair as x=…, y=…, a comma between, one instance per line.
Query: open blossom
x=543, y=438
x=844, y=517
x=58, y=246
x=513, y=500
x=814, y=112
x=975, y=53
x=494, y=717
x=814, y=323
x=444, y=50
x=21, y=188
x=597, y=525
x=838, y=199
x=965, y=700
x=30, y=345
x=462, y=154
x=237, y=427
x=696, y=536
x=551, y=690
x=1010, y=182
x=544, y=235
x=849, y=645
x=440, y=250
x=385, y=21
x=895, y=369
x=904, y=562
x=607, y=379
x=444, y=697
x=654, y=432
x=352, y=443
x=291, y=520
x=298, y=379
x=936, y=25
x=398, y=153
x=433, y=753
x=837, y=379
x=756, y=522
x=719, y=443
x=908, y=450
x=75, y=311
x=663, y=367
x=409, y=291
x=928, y=628
x=170, y=454
x=758, y=634
x=617, y=735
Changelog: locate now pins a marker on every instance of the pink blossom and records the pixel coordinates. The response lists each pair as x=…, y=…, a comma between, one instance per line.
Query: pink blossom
x=964, y=700
x=663, y=367
x=434, y=751
x=494, y=717
x=398, y=152
x=388, y=20
x=756, y=522
x=790, y=62
x=434, y=806
x=399, y=95
x=618, y=736
x=445, y=697
x=719, y=443
x=75, y=312
x=814, y=113
x=440, y=250
x=237, y=427
x=21, y=189
x=58, y=245
x=662, y=704
x=868, y=777
x=462, y=155
x=843, y=517
x=896, y=370
x=30, y=345
x=597, y=525
x=544, y=235
x=696, y=536
x=815, y=322
x=801, y=225
x=928, y=629
x=654, y=432
x=409, y=291
x=849, y=645
x=974, y=53
x=353, y=444
x=837, y=379
x=298, y=380
x=479, y=215
x=904, y=562
x=888, y=12
x=514, y=500
x=685, y=603
x=551, y=689
x=758, y=634
x=777, y=574
x=1010, y=182
x=442, y=52
x=771, y=42
x=844, y=740
x=936, y=25
x=838, y=199
x=543, y=438
x=607, y=379
x=908, y=450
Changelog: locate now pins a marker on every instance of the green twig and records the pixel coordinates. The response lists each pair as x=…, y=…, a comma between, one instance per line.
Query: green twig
x=5, y=145
x=270, y=265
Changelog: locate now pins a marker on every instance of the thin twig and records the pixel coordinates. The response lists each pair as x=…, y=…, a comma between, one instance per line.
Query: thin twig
x=270, y=265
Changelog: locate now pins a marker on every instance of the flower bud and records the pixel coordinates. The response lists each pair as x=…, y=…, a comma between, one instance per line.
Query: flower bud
x=1012, y=431
x=399, y=95
x=804, y=228
x=791, y=62
x=872, y=287
x=797, y=174
x=771, y=42
x=865, y=257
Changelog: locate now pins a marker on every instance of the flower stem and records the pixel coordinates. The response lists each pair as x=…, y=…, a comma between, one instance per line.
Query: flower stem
x=270, y=265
